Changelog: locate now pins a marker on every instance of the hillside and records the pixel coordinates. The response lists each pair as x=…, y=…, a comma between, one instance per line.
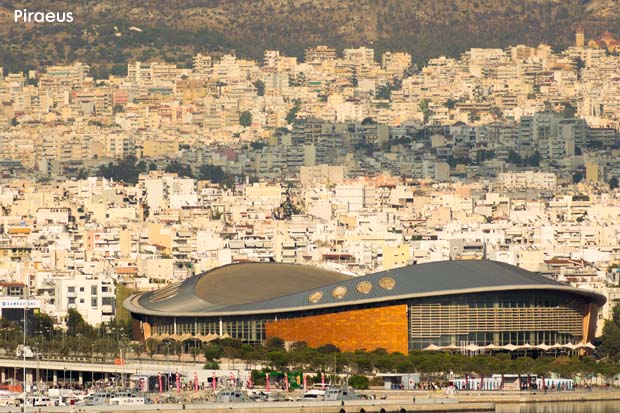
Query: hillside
x=174, y=29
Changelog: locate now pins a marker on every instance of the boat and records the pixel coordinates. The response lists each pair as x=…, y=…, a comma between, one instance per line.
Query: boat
x=97, y=399
x=341, y=393
x=8, y=398
x=40, y=401
x=126, y=398
x=313, y=395
x=232, y=396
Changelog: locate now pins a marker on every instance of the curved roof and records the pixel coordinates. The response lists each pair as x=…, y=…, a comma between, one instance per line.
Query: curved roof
x=424, y=280
x=234, y=284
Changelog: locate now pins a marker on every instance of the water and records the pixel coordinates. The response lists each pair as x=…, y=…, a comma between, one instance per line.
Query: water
x=561, y=407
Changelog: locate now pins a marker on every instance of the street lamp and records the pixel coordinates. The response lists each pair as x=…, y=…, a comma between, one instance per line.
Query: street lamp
x=92, y=362
x=24, y=351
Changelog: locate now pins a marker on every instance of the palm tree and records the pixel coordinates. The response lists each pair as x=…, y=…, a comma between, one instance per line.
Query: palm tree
x=152, y=346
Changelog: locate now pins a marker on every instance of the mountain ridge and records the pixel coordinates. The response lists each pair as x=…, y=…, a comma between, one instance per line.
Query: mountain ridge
x=174, y=30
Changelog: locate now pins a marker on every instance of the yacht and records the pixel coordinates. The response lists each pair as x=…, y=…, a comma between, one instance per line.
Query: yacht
x=40, y=401
x=126, y=398
x=8, y=398
x=232, y=396
x=313, y=395
x=341, y=393
x=97, y=399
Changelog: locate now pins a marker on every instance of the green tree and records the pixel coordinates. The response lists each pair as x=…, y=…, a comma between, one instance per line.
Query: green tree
x=577, y=177
x=569, y=111
x=257, y=145
x=275, y=343
x=610, y=339
x=383, y=93
x=152, y=345
x=260, y=87
x=211, y=365
x=138, y=348
x=216, y=175
x=358, y=382
x=42, y=324
x=279, y=359
x=533, y=160
x=613, y=183
x=213, y=351
x=292, y=114
x=183, y=170
x=141, y=166
x=328, y=349
x=579, y=64
x=77, y=325
x=125, y=170
x=425, y=109
x=514, y=158
x=245, y=119
x=82, y=174
x=118, y=70
x=484, y=155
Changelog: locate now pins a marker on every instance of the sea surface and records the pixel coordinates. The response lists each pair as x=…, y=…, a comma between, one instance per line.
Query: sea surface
x=561, y=407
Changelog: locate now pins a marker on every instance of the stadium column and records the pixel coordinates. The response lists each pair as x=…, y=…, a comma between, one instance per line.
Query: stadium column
x=587, y=319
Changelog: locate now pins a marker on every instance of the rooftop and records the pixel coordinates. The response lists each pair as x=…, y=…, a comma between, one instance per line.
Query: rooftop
x=253, y=288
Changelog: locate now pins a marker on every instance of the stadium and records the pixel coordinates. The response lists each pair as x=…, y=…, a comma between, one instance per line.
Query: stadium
x=449, y=305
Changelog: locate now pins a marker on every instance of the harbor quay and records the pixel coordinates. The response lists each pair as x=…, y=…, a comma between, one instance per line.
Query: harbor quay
x=362, y=406
x=398, y=401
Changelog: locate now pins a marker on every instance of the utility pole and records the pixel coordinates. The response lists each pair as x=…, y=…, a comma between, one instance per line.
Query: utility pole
x=92, y=362
x=24, y=355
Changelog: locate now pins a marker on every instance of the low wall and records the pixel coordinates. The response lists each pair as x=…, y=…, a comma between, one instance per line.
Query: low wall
x=374, y=406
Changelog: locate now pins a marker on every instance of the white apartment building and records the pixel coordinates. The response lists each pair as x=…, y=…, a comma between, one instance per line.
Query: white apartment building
x=94, y=298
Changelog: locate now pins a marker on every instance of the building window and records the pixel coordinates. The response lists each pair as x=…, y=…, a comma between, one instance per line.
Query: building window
x=93, y=302
x=15, y=291
x=498, y=319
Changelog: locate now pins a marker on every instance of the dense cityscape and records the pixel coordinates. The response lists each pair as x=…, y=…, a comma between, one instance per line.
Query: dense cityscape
x=343, y=161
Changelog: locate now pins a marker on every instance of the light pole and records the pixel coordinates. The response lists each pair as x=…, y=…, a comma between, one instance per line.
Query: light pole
x=92, y=362
x=38, y=375
x=122, y=368
x=24, y=354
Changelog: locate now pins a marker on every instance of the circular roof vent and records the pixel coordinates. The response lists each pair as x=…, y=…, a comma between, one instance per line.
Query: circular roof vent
x=387, y=283
x=363, y=287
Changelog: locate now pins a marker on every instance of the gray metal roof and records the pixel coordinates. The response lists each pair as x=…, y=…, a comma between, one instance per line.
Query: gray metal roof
x=234, y=284
x=431, y=279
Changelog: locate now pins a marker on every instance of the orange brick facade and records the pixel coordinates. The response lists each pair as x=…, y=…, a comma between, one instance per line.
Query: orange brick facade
x=367, y=329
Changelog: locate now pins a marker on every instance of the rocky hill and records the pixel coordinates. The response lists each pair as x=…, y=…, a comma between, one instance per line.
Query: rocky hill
x=106, y=33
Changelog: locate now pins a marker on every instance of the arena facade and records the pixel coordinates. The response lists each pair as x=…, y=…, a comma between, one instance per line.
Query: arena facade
x=450, y=305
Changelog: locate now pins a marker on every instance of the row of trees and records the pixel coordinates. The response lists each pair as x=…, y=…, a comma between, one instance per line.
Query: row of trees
x=79, y=338
x=129, y=169
x=82, y=339
x=328, y=358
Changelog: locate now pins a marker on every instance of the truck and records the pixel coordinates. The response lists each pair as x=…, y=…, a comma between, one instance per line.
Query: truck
x=24, y=351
